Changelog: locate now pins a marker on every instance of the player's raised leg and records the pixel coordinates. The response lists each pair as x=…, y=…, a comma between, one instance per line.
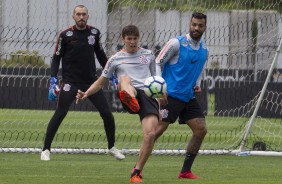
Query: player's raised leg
x=128, y=93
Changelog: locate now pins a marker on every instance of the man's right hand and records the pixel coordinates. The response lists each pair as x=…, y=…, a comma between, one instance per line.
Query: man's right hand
x=54, y=89
x=80, y=96
x=163, y=100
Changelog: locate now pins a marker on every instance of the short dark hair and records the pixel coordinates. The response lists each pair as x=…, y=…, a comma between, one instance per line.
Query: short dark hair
x=130, y=30
x=199, y=15
x=79, y=6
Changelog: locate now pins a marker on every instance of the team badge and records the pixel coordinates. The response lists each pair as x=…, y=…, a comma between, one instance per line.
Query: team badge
x=164, y=113
x=93, y=31
x=69, y=33
x=66, y=87
x=91, y=40
x=143, y=59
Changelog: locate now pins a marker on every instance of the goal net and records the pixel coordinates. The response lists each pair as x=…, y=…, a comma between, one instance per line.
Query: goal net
x=242, y=91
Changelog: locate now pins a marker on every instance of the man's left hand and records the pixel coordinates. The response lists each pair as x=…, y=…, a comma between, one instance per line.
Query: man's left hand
x=197, y=90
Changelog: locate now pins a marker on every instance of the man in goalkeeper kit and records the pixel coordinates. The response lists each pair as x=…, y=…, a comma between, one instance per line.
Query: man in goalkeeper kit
x=132, y=65
x=76, y=47
x=181, y=63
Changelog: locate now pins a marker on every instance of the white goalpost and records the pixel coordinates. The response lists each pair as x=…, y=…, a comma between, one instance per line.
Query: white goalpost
x=259, y=101
x=242, y=91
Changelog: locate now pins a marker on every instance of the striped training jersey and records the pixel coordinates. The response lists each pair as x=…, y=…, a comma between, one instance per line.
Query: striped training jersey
x=138, y=66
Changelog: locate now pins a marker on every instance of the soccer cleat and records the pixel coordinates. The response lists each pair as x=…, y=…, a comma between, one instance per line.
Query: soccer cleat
x=136, y=179
x=132, y=170
x=116, y=153
x=45, y=155
x=129, y=101
x=188, y=175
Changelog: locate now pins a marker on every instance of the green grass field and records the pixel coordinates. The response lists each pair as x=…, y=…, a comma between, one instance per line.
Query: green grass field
x=20, y=168
x=26, y=128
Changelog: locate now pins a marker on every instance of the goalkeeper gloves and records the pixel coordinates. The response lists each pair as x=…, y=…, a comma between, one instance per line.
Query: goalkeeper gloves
x=114, y=81
x=54, y=89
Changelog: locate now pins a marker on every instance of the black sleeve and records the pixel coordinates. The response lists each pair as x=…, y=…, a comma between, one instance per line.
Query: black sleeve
x=58, y=52
x=100, y=53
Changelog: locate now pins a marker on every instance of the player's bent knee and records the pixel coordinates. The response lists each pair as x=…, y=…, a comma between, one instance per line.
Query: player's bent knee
x=151, y=135
x=201, y=131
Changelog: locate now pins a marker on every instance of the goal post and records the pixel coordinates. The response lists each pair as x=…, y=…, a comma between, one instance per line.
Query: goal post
x=257, y=106
x=241, y=96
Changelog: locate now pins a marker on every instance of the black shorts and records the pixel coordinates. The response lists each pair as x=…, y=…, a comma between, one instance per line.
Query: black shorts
x=182, y=110
x=147, y=105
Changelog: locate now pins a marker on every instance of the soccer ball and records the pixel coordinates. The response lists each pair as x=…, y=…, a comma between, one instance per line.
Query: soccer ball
x=155, y=87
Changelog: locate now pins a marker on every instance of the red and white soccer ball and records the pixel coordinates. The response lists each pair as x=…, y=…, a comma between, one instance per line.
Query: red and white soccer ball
x=155, y=86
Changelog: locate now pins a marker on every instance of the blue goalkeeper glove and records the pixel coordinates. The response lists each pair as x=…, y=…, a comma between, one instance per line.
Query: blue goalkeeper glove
x=114, y=81
x=54, y=89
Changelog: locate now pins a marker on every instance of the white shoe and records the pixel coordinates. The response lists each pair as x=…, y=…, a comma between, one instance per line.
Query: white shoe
x=116, y=153
x=45, y=155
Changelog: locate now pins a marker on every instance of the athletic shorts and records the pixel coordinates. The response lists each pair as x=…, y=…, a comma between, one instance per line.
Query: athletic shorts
x=183, y=111
x=147, y=105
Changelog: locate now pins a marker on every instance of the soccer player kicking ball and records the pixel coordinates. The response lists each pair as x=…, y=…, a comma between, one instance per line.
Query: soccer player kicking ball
x=182, y=61
x=132, y=65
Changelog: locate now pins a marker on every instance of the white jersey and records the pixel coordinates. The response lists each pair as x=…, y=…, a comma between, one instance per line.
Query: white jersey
x=138, y=66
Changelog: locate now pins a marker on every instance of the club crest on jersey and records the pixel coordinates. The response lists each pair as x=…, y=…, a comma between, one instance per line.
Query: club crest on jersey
x=164, y=113
x=91, y=40
x=69, y=33
x=143, y=59
x=66, y=87
x=93, y=31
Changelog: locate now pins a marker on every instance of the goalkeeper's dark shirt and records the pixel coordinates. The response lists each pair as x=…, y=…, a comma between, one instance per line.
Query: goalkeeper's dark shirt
x=76, y=49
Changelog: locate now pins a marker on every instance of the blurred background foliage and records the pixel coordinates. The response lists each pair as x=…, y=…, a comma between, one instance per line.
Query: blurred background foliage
x=198, y=5
x=23, y=57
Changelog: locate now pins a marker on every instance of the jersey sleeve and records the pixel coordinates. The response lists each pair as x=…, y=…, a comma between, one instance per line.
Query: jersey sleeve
x=109, y=68
x=58, y=53
x=152, y=65
x=168, y=51
x=100, y=53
